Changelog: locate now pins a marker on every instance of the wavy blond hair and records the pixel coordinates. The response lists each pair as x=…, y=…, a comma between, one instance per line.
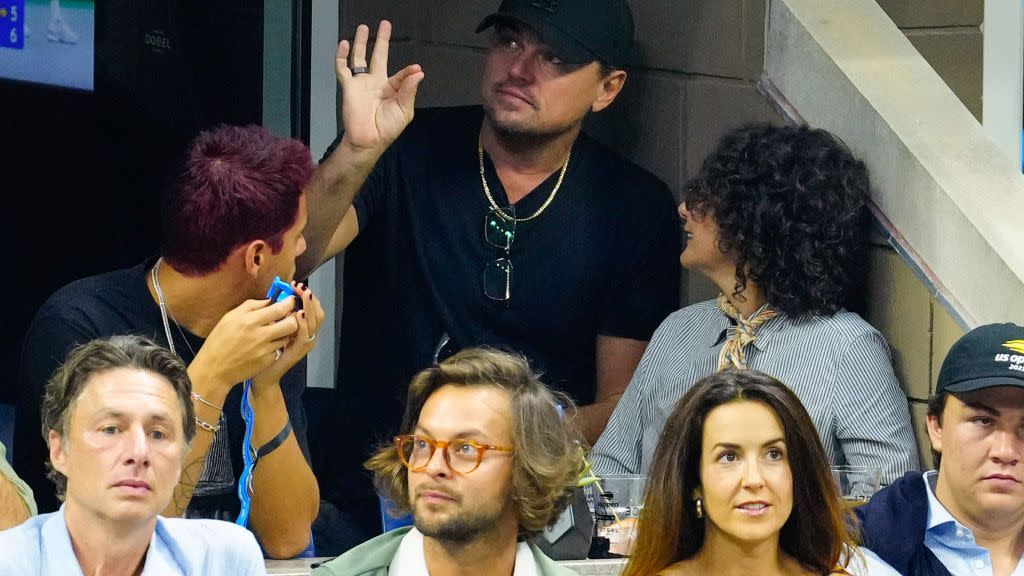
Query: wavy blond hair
x=548, y=451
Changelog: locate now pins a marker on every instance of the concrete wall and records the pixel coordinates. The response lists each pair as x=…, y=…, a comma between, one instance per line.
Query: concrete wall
x=947, y=33
x=843, y=65
x=919, y=330
x=693, y=80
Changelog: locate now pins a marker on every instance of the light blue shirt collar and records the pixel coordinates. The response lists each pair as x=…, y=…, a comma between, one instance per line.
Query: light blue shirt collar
x=59, y=556
x=938, y=516
x=952, y=542
x=56, y=552
x=42, y=545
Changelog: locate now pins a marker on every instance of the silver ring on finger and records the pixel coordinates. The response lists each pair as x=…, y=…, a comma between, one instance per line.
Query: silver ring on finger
x=356, y=70
x=277, y=354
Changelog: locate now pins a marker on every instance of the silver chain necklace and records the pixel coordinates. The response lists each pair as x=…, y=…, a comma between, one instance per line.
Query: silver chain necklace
x=155, y=275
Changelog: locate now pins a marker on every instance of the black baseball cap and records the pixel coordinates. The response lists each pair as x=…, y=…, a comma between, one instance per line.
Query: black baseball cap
x=578, y=31
x=990, y=355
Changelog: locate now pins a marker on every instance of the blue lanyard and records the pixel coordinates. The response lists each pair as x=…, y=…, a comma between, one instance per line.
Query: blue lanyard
x=248, y=457
x=279, y=290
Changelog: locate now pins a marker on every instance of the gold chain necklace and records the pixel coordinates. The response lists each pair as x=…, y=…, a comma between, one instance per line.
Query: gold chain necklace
x=494, y=205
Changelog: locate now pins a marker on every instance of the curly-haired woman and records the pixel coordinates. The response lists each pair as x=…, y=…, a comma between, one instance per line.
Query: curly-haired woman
x=775, y=221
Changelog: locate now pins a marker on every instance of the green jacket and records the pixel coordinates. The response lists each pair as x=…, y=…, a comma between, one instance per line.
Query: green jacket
x=23, y=490
x=371, y=558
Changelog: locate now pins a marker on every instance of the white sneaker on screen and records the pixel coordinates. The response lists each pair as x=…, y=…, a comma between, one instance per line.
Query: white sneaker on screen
x=59, y=31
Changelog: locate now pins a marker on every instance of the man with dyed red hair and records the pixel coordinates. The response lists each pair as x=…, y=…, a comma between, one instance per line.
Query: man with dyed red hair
x=232, y=221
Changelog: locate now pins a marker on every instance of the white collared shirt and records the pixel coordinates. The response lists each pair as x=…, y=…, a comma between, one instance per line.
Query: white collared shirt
x=410, y=560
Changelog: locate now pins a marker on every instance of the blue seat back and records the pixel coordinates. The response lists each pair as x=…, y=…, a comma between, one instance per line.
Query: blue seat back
x=7, y=427
x=388, y=521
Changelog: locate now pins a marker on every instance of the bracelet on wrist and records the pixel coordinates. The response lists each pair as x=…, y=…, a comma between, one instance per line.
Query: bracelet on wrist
x=207, y=402
x=207, y=426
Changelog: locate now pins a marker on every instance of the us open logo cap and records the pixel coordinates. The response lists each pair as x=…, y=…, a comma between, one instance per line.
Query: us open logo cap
x=990, y=355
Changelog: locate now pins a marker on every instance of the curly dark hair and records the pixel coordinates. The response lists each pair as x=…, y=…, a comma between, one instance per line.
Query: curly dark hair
x=789, y=204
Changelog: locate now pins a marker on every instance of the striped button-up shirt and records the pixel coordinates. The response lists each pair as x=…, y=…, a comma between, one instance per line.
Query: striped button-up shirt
x=838, y=366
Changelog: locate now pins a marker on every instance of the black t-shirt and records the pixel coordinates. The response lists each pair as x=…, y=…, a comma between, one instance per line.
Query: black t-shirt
x=601, y=259
x=119, y=302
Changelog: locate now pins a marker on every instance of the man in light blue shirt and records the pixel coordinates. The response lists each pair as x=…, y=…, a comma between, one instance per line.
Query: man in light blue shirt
x=966, y=517
x=119, y=421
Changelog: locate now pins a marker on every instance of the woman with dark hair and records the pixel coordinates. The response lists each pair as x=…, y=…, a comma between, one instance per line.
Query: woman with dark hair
x=723, y=497
x=774, y=220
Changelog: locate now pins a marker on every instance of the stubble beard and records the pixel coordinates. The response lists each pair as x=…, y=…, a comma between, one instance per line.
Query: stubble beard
x=461, y=528
x=520, y=133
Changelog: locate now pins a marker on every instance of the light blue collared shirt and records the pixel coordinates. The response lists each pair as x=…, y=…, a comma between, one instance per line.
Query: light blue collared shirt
x=952, y=542
x=42, y=546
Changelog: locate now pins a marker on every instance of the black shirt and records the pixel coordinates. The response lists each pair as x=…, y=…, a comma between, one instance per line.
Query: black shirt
x=601, y=259
x=101, y=306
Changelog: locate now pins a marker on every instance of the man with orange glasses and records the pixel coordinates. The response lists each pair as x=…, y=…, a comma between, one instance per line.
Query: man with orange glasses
x=484, y=462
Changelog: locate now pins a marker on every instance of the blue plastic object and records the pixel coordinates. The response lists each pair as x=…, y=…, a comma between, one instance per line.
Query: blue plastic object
x=279, y=290
x=388, y=521
x=310, y=551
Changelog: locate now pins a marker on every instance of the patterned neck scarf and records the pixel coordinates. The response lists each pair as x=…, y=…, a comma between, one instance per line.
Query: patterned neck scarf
x=732, y=353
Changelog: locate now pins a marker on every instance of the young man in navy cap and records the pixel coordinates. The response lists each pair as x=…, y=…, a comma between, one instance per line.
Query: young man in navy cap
x=967, y=516
x=501, y=225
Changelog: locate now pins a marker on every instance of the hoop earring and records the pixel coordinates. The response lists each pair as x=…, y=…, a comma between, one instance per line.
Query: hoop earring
x=700, y=508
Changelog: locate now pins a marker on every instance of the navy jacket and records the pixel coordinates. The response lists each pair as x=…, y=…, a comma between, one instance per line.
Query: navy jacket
x=893, y=525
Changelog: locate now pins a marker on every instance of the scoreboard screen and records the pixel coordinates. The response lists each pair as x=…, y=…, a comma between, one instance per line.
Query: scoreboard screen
x=48, y=42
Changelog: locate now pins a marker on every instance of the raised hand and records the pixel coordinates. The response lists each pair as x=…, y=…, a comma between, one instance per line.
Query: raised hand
x=375, y=108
